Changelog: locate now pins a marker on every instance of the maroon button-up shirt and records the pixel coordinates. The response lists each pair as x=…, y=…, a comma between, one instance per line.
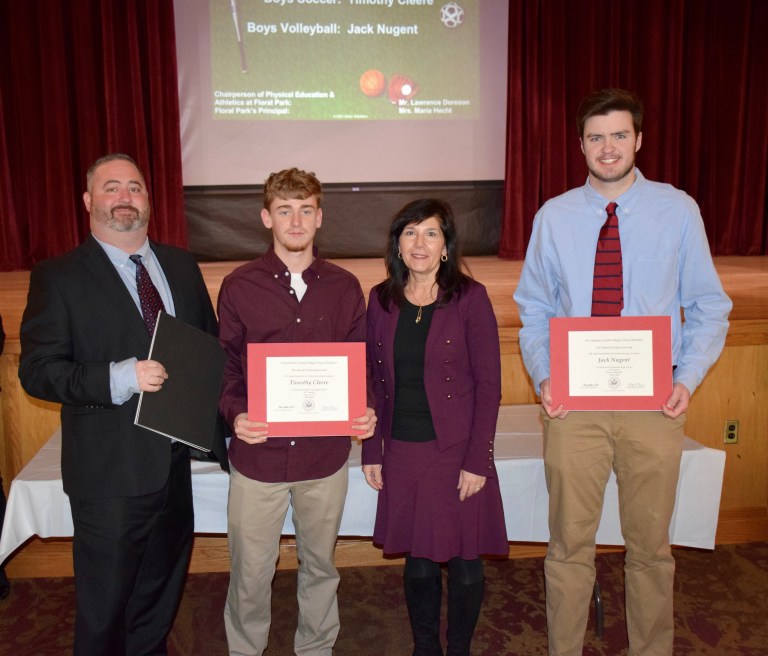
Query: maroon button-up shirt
x=257, y=304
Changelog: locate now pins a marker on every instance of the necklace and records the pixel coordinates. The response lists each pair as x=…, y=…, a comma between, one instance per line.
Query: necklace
x=421, y=304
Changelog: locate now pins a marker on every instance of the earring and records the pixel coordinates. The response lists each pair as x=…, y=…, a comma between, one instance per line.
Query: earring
x=399, y=255
x=444, y=257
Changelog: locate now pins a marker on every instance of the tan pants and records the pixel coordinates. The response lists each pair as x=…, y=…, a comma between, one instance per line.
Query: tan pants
x=644, y=449
x=255, y=517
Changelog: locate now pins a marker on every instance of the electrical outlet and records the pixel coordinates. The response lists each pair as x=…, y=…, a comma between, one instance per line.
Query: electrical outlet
x=731, y=431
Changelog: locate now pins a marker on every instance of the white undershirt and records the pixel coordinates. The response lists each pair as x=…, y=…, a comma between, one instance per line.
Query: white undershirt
x=298, y=285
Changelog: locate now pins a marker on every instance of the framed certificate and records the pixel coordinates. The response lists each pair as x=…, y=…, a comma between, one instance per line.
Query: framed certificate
x=305, y=389
x=610, y=363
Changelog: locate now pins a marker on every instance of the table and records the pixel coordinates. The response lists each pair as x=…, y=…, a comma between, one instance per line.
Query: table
x=38, y=506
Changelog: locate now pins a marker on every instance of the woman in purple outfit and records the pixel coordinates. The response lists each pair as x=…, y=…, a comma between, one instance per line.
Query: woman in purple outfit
x=433, y=355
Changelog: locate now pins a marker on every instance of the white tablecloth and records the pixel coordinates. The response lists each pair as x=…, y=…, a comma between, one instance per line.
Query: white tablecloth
x=37, y=504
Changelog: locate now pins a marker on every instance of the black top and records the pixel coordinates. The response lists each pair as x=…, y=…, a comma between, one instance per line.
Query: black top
x=411, y=420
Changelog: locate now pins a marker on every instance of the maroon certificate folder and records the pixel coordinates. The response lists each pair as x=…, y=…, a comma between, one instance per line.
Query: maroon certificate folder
x=610, y=363
x=307, y=389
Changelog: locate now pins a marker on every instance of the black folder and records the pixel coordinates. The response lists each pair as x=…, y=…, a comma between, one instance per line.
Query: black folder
x=186, y=406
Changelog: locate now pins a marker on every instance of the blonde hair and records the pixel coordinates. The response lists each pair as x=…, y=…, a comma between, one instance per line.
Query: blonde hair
x=290, y=184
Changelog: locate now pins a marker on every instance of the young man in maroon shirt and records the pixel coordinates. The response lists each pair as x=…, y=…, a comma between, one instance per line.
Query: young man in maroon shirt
x=288, y=295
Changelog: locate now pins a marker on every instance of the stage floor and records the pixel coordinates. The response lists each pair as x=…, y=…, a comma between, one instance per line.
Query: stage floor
x=745, y=279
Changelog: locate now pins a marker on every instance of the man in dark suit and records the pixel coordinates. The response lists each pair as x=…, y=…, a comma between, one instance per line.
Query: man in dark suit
x=85, y=336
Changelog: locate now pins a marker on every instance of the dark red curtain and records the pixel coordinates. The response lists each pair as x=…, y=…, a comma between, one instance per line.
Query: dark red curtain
x=701, y=68
x=79, y=79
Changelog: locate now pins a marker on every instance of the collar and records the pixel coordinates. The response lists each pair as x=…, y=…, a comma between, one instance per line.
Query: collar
x=626, y=202
x=278, y=269
x=119, y=257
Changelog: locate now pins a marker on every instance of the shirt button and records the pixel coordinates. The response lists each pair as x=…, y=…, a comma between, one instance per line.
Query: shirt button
x=291, y=291
x=447, y=379
x=293, y=442
x=286, y=274
x=382, y=380
x=275, y=275
x=386, y=396
x=448, y=397
x=378, y=361
x=447, y=362
x=447, y=341
x=298, y=320
x=378, y=343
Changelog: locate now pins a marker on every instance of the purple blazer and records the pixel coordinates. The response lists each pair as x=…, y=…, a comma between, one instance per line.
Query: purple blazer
x=462, y=376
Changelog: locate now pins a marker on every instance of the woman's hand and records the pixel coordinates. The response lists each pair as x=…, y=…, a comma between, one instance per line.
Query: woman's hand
x=252, y=432
x=373, y=477
x=469, y=484
x=366, y=424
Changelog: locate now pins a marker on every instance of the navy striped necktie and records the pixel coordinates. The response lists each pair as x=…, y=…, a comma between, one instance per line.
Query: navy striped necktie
x=149, y=297
x=608, y=282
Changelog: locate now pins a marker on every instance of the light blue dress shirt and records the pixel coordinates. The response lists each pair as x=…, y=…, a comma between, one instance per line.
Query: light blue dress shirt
x=122, y=375
x=667, y=266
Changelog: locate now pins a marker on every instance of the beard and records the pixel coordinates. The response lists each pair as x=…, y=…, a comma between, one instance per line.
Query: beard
x=122, y=218
x=615, y=177
x=298, y=248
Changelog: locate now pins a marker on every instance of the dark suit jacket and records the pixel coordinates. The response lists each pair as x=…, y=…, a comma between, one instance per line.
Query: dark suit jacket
x=462, y=376
x=79, y=318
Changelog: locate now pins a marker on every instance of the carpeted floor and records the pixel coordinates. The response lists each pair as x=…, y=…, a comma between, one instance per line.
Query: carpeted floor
x=721, y=608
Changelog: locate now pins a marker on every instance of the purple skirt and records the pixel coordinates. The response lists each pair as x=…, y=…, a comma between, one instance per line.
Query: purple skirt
x=419, y=511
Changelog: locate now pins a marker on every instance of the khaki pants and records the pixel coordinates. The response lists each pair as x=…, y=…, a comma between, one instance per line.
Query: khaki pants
x=644, y=449
x=255, y=517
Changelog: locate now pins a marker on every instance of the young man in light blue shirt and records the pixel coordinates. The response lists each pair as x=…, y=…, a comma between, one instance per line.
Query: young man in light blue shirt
x=666, y=265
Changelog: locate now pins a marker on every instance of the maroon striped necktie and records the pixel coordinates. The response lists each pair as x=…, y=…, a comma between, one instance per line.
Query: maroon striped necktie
x=608, y=282
x=149, y=297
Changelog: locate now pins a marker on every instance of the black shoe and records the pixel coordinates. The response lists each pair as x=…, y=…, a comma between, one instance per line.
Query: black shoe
x=423, y=596
x=464, y=602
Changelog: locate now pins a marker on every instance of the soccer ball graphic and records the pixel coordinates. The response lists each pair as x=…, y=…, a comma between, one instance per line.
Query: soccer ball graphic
x=452, y=15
